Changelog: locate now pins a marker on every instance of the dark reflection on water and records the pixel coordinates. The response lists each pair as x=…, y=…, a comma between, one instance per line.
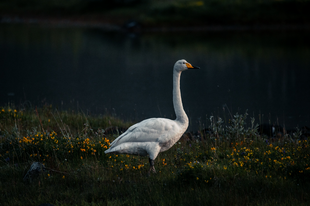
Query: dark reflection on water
x=131, y=77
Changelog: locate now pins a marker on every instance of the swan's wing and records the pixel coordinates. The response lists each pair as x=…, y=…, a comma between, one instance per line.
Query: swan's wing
x=150, y=130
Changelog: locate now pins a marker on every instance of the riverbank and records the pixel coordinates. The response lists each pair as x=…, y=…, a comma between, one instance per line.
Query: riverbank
x=106, y=25
x=240, y=168
x=163, y=15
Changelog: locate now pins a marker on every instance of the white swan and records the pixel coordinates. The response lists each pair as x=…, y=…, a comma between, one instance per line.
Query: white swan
x=155, y=135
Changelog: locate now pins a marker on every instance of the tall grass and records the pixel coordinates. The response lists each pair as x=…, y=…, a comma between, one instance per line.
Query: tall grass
x=232, y=165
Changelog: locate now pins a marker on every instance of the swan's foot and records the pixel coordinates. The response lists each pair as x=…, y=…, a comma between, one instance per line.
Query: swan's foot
x=152, y=168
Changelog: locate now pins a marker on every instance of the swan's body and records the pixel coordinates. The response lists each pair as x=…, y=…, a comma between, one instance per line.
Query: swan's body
x=155, y=135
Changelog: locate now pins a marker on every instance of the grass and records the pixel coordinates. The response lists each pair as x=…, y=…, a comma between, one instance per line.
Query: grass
x=231, y=166
x=166, y=13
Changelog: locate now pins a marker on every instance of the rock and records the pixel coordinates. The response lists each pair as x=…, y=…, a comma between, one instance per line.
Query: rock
x=305, y=133
x=35, y=169
x=270, y=130
x=132, y=26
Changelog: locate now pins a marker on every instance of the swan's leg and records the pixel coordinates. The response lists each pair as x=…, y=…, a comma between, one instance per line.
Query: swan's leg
x=153, y=150
x=152, y=168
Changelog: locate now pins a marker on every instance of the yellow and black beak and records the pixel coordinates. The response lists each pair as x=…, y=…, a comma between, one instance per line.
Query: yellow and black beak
x=189, y=66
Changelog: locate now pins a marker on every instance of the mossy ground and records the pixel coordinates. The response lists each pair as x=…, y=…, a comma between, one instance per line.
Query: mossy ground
x=227, y=168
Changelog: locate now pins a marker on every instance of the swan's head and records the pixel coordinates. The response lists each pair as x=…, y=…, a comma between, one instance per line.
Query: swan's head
x=183, y=65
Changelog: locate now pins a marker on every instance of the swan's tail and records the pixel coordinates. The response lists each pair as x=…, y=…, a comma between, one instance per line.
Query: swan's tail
x=108, y=151
x=135, y=148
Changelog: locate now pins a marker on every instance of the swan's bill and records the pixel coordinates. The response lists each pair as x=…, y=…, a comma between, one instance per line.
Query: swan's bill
x=189, y=66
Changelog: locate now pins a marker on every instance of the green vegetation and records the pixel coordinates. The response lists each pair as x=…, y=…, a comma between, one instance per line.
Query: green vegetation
x=232, y=166
x=176, y=12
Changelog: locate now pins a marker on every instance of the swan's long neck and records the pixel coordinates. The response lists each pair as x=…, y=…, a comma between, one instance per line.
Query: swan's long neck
x=181, y=116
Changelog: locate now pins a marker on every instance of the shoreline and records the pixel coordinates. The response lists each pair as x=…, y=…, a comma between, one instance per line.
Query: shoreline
x=116, y=26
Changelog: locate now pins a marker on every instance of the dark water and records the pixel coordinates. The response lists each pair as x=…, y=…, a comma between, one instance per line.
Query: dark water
x=266, y=73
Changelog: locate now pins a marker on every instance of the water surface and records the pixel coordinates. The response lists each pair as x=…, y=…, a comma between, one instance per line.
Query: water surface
x=130, y=76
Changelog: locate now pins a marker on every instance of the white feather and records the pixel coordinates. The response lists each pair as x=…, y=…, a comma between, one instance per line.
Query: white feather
x=155, y=135
x=150, y=136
